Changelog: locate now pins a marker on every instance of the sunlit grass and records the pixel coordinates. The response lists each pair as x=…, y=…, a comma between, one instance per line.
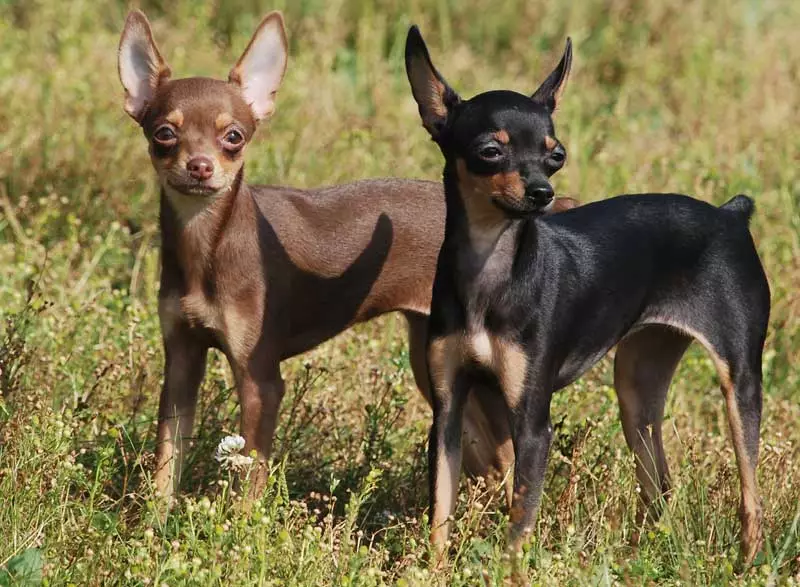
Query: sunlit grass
x=694, y=97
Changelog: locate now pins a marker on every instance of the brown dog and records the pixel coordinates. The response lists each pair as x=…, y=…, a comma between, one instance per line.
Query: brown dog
x=264, y=273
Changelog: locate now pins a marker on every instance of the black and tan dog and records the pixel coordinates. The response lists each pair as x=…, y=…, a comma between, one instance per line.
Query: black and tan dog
x=523, y=304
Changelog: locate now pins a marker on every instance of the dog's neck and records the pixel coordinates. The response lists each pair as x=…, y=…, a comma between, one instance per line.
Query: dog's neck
x=480, y=246
x=191, y=229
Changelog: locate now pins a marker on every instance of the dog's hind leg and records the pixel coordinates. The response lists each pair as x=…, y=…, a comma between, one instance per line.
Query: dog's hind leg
x=739, y=372
x=742, y=390
x=643, y=367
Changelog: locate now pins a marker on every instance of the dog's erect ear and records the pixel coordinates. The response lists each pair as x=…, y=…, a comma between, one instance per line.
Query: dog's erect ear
x=260, y=69
x=434, y=97
x=549, y=93
x=141, y=67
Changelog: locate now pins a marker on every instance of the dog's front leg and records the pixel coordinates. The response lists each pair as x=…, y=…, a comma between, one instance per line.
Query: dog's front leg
x=532, y=435
x=450, y=388
x=261, y=390
x=185, y=367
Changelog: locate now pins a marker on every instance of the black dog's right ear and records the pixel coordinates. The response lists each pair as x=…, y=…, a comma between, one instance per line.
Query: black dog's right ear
x=550, y=92
x=434, y=97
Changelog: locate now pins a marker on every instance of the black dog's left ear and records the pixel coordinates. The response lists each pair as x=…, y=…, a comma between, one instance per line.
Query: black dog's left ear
x=434, y=97
x=549, y=93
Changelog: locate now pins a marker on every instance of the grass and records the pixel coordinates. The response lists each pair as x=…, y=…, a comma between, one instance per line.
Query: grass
x=700, y=97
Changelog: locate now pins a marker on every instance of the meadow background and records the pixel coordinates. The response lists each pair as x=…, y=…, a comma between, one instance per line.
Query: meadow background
x=695, y=96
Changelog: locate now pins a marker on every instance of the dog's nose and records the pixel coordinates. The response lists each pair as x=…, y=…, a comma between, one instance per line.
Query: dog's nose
x=541, y=193
x=200, y=168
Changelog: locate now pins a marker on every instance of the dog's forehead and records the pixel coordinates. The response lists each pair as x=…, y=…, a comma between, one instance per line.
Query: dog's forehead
x=514, y=113
x=201, y=102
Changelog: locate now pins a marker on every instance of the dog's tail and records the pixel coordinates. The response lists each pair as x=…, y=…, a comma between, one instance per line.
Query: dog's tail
x=741, y=205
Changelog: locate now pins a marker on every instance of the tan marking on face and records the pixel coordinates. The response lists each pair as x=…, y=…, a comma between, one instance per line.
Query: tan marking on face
x=550, y=143
x=222, y=121
x=175, y=117
x=501, y=137
x=486, y=220
x=506, y=186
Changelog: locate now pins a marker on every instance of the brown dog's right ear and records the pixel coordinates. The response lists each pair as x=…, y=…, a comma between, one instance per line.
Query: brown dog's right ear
x=141, y=67
x=434, y=97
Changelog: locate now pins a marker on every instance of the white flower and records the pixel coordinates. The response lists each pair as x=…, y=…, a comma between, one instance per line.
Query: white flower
x=228, y=453
x=230, y=444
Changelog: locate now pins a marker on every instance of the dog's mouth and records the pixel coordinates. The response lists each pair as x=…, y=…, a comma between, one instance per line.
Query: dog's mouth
x=193, y=188
x=525, y=208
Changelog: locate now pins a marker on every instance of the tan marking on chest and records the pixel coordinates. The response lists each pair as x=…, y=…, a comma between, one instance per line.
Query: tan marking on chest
x=506, y=359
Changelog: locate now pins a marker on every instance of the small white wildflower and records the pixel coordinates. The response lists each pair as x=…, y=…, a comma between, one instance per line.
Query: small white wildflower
x=230, y=445
x=228, y=454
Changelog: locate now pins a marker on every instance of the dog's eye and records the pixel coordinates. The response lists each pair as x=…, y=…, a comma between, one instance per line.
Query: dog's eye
x=233, y=139
x=490, y=153
x=557, y=156
x=165, y=135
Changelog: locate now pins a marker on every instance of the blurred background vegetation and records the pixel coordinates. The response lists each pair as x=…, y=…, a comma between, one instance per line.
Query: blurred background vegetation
x=695, y=96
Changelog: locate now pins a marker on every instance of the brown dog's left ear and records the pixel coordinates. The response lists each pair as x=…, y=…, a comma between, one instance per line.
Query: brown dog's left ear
x=260, y=69
x=549, y=93
x=434, y=97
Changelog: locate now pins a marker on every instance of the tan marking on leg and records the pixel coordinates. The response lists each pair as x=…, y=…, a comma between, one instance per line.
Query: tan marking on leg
x=445, y=356
x=175, y=117
x=446, y=488
x=505, y=458
x=173, y=442
x=182, y=375
x=751, y=512
x=222, y=121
